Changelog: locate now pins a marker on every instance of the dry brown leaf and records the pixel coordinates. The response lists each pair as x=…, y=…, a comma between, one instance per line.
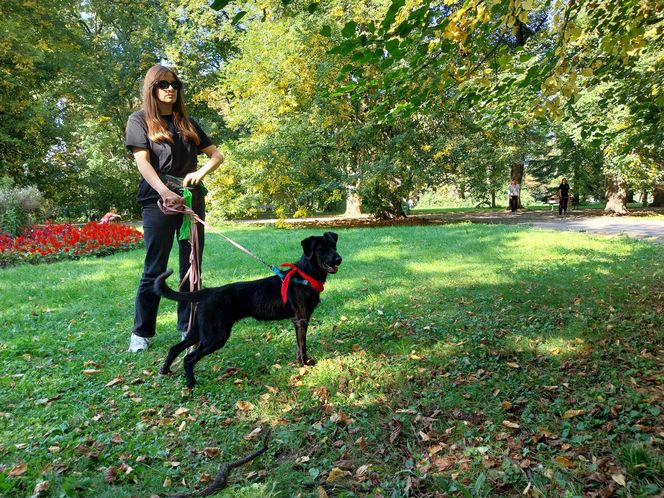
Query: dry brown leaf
x=205, y=477
x=91, y=371
x=506, y=405
x=511, y=425
x=512, y=364
x=564, y=461
x=210, y=452
x=18, y=470
x=573, y=413
x=180, y=411
x=253, y=434
x=619, y=478
x=115, y=382
x=443, y=463
x=362, y=471
x=321, y=492
x=337, y=473
x=244, y=406
x=117, y=439
x=111, y=475
x=42, y=487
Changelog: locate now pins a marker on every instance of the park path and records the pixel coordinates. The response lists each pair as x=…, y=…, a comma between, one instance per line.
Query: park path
x=644, y=224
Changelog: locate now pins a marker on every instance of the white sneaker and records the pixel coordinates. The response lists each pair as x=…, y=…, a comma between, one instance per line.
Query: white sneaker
x=138, y=343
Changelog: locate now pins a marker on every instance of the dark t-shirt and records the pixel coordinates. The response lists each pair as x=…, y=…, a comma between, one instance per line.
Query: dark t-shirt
x=176, y=159
x=564, y=190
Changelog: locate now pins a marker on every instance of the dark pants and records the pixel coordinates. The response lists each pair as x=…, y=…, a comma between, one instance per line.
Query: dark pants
x=562, y=207
x=514, y=202
x=159, y=230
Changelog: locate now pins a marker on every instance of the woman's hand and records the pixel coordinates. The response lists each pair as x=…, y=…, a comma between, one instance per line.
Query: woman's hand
x=171, y=199
x=193, y=178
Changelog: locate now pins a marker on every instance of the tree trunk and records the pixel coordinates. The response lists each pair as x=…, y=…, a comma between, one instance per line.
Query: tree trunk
x=516, y=173
x=353, y=201
x=493, y=199
x=615, y=189
x=644, y=198
x=658, y=195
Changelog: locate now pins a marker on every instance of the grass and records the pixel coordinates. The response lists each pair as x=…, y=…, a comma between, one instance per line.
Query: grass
x=472, y=360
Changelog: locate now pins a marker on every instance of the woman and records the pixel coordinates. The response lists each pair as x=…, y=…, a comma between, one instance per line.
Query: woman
x=165, y=144
x=514, y=191
x=563, y=196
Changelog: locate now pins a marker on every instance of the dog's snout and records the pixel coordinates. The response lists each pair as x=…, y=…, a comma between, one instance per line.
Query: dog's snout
x=337, y=260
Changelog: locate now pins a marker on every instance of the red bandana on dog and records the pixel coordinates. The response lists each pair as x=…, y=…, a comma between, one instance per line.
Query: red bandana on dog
x=315, y=284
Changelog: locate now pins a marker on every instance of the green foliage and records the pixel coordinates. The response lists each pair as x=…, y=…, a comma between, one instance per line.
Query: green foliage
x=18, y=206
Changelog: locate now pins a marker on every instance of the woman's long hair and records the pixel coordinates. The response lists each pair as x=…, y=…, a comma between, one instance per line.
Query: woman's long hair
x=157, y=128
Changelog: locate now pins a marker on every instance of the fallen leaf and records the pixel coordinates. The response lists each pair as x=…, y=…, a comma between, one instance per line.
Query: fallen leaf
x=115, y=382
x=91, y=371
x=244, y=406
x=564, y=461
x=573, y=413
x=506, y=405
x=511, y=425
x=111, y=475
x=619, y=478
x=337, y=473
x=180, y=411
x=42, y=487
x=443, y=463
x=321, y=492
x=210, y=452
x=18, y=470
x=511, y=364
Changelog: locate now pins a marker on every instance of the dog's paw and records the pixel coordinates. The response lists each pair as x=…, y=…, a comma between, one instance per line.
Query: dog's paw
x=191, y=383
x=164, y=371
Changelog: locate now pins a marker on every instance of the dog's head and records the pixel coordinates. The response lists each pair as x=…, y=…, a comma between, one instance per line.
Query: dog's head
x=322, y=251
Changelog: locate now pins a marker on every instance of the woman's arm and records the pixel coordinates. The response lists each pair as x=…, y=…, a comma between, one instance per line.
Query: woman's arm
x=147, y=171
x=215, y=158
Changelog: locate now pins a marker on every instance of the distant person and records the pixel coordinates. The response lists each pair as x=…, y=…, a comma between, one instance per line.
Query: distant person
x=563, y=196
x=514, y=191
x=166, y=144
x=112, y=215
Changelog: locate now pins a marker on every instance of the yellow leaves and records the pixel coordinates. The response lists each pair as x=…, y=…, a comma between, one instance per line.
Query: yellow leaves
x=565, y=462
x=512, y=364
x=244, y=406
x=336, y=473
x=573, y=413
x=619, y=479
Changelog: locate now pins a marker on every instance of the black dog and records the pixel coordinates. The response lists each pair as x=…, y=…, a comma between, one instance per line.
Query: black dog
x=218, y=308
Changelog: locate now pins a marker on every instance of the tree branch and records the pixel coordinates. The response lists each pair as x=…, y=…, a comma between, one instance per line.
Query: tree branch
x=219, y=482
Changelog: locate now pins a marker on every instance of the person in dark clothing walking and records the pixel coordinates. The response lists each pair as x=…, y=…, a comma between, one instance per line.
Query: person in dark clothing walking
x=165, y=144
x=563, y=196
x=513, y=191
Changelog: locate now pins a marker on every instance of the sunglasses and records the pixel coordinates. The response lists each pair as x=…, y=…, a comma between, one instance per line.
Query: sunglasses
x=164, y=84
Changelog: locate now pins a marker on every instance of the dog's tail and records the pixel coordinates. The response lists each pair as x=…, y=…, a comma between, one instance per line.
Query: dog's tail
x=162, y=289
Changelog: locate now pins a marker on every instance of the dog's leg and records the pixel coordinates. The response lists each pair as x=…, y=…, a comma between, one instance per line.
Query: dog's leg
x=190, y=340
x=301, y=325
x=203, y=350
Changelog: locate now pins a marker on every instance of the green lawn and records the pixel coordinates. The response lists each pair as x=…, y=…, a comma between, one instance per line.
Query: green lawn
x=472, y=360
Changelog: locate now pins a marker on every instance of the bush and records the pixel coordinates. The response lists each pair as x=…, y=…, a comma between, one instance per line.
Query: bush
x=18, y=207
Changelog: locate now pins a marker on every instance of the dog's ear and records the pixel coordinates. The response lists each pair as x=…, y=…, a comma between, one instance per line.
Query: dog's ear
x=332, y=237
x=308, y=246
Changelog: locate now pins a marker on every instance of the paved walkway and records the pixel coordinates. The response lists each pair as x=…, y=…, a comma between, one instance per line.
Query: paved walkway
x=646, y=224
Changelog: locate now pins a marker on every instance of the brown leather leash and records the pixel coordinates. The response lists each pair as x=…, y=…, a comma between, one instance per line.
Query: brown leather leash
x=193, y=275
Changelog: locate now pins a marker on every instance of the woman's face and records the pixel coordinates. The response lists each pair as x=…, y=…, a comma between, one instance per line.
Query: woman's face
x=169, y=94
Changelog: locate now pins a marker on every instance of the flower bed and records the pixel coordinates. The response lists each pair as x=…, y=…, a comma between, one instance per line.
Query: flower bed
x=54, y=242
